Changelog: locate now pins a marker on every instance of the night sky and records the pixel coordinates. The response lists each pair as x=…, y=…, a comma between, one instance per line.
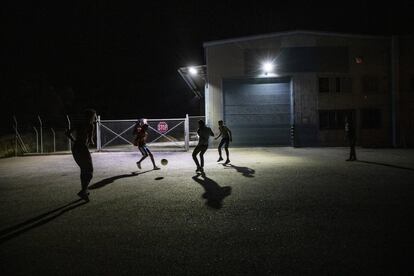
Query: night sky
x=122, y=59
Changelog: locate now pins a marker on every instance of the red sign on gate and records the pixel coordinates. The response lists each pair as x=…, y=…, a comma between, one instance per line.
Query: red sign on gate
x=162, y=127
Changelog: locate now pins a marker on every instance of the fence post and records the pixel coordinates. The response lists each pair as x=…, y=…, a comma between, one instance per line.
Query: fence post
x=98, y=133
x=69, y=142
x=18, y=139
x=187, y=132
x=54, y=139
x=41, y=134
x=37, y=139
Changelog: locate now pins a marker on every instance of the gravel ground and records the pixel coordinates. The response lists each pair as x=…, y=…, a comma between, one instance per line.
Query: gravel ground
x=274, y=211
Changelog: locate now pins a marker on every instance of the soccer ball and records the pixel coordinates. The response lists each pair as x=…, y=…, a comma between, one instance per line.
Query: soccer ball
x=164, y=162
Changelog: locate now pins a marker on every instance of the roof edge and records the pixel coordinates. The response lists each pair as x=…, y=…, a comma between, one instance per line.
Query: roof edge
x=295, y=32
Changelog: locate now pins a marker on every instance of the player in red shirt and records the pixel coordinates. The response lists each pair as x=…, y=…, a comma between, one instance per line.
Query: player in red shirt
x=140, y=141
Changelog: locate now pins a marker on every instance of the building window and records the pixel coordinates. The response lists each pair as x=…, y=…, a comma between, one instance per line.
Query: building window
x=323, y=119
x=333, y=119
x=371, y=118
x=370, y=84
x=335, y=85
x=324, y=85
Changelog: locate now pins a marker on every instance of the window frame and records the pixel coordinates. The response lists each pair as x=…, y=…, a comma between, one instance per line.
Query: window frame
x=335, y=84
x=334, y=118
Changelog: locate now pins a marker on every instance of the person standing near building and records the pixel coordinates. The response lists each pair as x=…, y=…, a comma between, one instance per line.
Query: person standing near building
x=226, y=138
x=141, y=141
x=204, y=133
x=83, y=131
x=350, y=135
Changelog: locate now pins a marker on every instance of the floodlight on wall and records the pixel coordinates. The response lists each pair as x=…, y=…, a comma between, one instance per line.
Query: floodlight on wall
x=193, y=71
x=195, y=77
x=267, y=67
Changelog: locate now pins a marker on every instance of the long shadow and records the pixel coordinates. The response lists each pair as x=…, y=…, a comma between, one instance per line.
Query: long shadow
x=214, y=194
x=245, y=171
x=110, y=180
x=386, y=165
x=18, y=229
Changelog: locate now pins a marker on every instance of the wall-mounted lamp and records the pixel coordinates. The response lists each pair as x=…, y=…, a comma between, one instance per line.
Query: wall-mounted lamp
x=267, y=67
x=192, y=71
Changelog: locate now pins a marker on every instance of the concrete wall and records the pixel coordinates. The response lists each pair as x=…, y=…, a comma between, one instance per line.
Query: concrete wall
x=227, y=61
x=305, y=95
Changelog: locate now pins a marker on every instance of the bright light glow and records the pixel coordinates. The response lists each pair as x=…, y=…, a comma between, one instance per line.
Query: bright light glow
x=193, y=71
x=267, y=67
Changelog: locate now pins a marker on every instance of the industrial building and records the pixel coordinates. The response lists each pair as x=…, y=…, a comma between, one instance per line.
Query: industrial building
x=296, y=88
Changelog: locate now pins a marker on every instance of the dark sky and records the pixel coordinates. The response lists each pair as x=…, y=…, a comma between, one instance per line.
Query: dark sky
x=122, y=59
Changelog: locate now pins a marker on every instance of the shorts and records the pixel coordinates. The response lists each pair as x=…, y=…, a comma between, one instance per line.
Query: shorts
x=225, y=142
x=144, y=150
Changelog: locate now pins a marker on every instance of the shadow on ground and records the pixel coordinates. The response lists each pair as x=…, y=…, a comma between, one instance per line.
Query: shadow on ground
x=110, y=180
x=214, y=193
x=245, y=171
x=18, y=229
x=386, y=165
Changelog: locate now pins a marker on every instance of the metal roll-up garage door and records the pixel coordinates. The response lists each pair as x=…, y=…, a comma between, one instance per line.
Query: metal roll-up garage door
x=258, y=111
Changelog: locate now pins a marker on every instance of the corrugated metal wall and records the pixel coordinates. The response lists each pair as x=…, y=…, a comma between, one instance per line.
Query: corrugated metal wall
x=258, y=111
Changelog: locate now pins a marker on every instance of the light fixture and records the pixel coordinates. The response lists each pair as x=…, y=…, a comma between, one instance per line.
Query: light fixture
x=267, y=67
x=192, y=71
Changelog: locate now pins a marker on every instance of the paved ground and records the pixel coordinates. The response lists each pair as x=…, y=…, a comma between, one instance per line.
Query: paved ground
x=275, y=211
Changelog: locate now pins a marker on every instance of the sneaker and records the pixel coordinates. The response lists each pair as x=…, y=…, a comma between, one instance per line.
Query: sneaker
x=84, y=195
x=156, y=168
x=227, y=161
x=220, y=159
x=139, y=165
x=199, y=169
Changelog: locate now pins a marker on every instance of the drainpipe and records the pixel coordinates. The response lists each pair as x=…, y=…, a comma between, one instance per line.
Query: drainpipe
x=394, y=87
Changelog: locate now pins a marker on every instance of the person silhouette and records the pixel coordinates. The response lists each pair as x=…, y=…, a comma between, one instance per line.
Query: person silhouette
x=136, y=129
x=350, y=134
x=83, y=131
x=142, y=146
x=204, y=133
x=225, y=133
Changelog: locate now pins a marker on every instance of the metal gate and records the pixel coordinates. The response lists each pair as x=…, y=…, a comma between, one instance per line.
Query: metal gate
x=163, y=134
